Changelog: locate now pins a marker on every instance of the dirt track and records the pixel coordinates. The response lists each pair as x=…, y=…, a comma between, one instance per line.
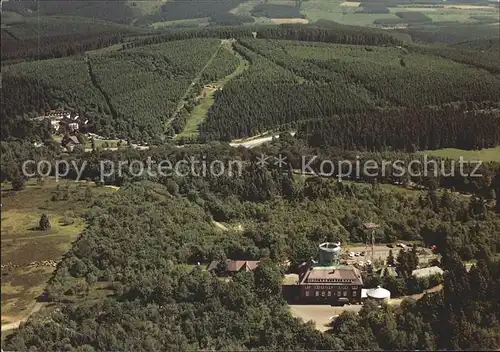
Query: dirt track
x=15, y=324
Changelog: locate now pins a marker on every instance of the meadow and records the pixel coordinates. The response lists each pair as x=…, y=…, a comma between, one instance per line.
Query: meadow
x=344, y=12
x=28, y=253
x=485, y=155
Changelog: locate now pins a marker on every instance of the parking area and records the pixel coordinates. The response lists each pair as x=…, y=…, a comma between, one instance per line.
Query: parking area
x=321, y=315
x=380, y=253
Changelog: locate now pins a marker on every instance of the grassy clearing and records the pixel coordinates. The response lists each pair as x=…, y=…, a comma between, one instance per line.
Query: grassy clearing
x=9, y=18
x=200, y=22
x=244, y=9
x=207, y=99
x=105, y=143
x=449, y=14
x=146, y=6
x=343, y=12
x=105, y=50
x=23, y=242
x=485, y=155
x=338, y=11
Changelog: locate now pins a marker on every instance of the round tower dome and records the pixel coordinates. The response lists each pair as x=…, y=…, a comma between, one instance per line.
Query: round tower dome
x=329, y=253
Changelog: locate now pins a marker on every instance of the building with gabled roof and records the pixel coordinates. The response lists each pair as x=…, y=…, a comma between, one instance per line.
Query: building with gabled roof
x=233, y=266
x=326, y=282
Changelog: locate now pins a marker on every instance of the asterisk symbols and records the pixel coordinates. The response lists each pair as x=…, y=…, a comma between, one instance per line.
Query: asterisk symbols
x=280, y=161
x=262, y=160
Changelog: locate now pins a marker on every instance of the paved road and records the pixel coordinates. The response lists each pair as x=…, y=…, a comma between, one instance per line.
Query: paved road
x=256, y=141
x=252, y=143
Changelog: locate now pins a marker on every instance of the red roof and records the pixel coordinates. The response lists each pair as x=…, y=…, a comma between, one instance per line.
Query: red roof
x=236, y=265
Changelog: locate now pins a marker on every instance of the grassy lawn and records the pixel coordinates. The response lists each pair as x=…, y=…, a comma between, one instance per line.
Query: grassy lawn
x=104, y=143
x=485, y=155
x=23, y=243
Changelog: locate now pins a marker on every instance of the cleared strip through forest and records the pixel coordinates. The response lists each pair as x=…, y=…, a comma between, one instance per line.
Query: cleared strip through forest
x=206, y=98
x=196, y=79
x=98, y=87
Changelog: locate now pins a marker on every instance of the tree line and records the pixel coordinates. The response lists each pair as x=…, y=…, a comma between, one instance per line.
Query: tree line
x=408, y=130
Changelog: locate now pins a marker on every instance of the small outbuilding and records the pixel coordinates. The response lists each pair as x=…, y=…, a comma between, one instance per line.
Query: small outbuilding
x=379, y=294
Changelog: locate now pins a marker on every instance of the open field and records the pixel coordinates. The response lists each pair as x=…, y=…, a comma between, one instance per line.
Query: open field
x=29, y=255
x=146, y=6
x=344, y=12
x=289, y=20
x=450, y=13
x=244, y=8
x=9, y=17
x=350, y=4
x=189, y=22
x=485, y=155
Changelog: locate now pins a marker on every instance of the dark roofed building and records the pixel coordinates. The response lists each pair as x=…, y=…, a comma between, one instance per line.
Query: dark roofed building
x=331, y=285
x=232, y=266
x=326, y=282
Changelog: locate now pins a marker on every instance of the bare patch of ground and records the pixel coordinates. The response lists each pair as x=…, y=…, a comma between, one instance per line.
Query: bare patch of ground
x=321, y=315
x=469, y=7
x=350, y=4
x=289, y=20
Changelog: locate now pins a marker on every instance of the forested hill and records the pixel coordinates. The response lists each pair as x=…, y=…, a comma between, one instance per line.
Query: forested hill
x=296, y=73
x=131, y=281
x=117, y=11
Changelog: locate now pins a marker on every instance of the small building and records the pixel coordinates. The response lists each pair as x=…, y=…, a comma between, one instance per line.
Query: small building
x=426, y=272
x=379, y=294
x=231, y=267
